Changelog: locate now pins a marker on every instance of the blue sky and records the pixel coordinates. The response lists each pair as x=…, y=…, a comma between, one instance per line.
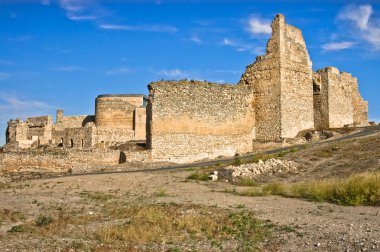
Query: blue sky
x=63, y=53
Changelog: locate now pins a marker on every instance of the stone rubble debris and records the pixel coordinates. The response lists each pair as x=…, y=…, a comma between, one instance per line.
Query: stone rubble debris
x=251, y=170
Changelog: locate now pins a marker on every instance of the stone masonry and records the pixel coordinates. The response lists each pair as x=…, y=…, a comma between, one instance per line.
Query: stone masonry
x=277, y=97
x=118, y=119
x=282, y=80
x=190, y=120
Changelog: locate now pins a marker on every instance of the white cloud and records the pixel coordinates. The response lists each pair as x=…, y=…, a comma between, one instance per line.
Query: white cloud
x=196, y=39
x=358, y=14
x=81, y=10
x=80, y=18
x=337, y=46
x=4, y=76
x=12, y=106
x=173, y=73
x=227, y=41
x=121, y=70
x=146, y=28
x=365, y=25
x=242, y=47
x=256, y=25
x=67, y=68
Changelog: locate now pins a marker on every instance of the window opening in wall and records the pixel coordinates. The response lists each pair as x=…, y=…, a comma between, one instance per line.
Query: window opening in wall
x=82, y=143
x=71, y=143
x=61, y=140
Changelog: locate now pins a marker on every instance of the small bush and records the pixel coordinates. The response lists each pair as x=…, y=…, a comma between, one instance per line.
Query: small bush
x=245, y=182
x=16, y=229
x=43, y=221
x=202, y=176
x=237, y=161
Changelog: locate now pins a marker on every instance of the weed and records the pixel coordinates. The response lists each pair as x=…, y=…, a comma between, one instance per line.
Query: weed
x=7, y=214
x=358, y=189
x=245, y=182
x=237, y=161
x=202, y=176
x=178, y=223
x=98, y=196
x=161, y=193
x=246, y=229
x=16, y=229
x=4, y=185
x=42, y=221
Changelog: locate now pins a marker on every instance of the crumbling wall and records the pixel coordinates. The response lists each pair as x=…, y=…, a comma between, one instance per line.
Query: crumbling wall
x=360, y=106
x=296, y=82
x=73, y=121
x=189, y=121
x=57, y=160
x=282, y=80
x=104, y=137
x=116, y=111
x=79, y=138
x=341, y=103
x=320, y=101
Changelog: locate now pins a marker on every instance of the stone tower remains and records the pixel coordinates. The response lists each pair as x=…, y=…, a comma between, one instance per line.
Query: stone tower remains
x=282, y=80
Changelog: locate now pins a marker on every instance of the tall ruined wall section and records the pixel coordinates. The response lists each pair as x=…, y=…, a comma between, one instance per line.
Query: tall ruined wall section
x=360, y=106
x=321, y=108
x=282, y=80
x=296, y=82
x=189, y=121
x=340, y=102
x=264, y=76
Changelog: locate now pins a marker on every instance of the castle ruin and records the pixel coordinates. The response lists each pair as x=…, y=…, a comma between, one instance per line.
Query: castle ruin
x=278, y=96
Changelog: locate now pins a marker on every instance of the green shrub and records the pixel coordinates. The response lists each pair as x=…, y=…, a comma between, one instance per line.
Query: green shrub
x=43, y=221
x=16, y=229
x=202, y=176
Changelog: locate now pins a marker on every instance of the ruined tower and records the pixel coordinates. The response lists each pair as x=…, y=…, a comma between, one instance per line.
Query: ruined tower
x=337, y=101
x=282, y=81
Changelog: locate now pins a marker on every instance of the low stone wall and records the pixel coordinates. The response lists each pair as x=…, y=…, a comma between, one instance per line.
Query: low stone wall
x=57, y=160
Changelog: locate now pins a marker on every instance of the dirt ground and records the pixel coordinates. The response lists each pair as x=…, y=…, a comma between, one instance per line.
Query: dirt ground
x=304, y=226
x=297, y=225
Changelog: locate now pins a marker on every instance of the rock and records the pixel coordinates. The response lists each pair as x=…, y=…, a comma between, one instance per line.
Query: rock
x=213, y=177
x=251, y=170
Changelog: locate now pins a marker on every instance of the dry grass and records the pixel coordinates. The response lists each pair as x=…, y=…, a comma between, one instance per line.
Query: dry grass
x=7, y=214
x=176, y=223
x=358, y=189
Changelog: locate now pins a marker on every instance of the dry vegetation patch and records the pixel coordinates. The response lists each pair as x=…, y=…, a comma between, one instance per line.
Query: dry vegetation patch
x=358, y=189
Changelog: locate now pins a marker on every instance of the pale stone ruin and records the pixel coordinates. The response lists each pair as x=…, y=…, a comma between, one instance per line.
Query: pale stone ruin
x=278, y=96
x=118, y=118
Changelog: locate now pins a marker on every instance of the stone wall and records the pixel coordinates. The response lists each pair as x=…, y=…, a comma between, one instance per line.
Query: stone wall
x=192, y=120
x=57, y=160
x=79, y=138
x=140, y=123
x=282, y=80
x=104, y=137
x=360, y=106
x=296, y=82
x=117, y=111
x=338, y=103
